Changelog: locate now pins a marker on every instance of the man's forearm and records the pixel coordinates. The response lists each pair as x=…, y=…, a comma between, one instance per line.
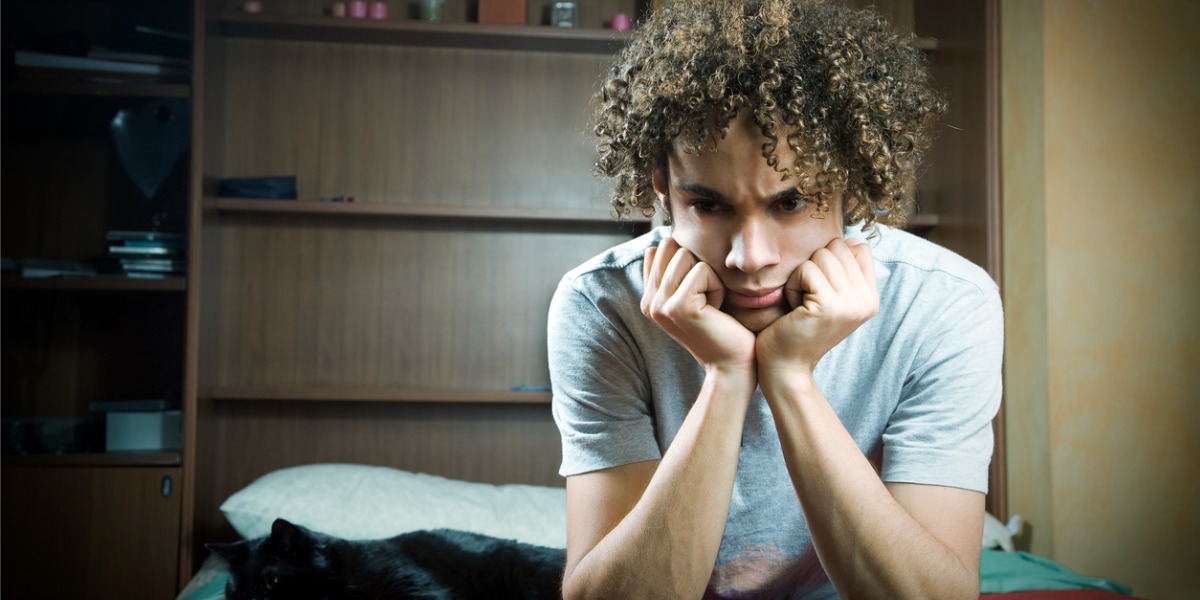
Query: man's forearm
x=667, y=545
x=869, y=545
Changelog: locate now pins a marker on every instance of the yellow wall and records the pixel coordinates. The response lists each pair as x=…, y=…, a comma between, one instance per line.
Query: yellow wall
x=1100, y=153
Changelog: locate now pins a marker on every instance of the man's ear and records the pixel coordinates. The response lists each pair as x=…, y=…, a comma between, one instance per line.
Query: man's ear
x=659, y=181
x=849, y=202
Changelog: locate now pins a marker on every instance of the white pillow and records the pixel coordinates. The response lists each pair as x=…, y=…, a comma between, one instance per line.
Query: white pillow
x=365, y=502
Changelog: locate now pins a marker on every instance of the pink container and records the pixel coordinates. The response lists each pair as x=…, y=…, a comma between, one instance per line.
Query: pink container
x=622, y=22
x=356, y=9
x=378, y=11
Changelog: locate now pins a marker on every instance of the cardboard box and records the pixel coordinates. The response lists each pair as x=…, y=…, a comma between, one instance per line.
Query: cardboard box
x=502, y=12
x=143, y=431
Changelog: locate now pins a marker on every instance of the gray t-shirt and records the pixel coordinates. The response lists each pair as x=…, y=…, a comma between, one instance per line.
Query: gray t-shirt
x=917, y=387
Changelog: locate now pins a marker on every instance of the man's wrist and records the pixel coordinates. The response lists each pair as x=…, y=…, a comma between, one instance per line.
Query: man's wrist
x=796, y=383
x=733, y=378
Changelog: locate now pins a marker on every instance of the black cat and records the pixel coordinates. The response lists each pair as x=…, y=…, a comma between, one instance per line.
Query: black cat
x=443, y=564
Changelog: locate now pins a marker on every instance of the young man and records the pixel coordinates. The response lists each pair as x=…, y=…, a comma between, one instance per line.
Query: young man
x=780, y=395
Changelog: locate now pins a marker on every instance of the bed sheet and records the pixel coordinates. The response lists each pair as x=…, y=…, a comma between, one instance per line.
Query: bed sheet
x=208, y=583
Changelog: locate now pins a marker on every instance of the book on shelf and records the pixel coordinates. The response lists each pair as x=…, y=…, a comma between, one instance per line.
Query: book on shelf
x=153, y=264
x=144, y=250
x=149, y=275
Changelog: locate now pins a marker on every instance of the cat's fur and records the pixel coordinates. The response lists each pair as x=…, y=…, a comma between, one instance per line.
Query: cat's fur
x=296, y=563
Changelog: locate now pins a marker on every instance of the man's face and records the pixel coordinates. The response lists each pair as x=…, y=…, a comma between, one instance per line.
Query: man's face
x=734, y=212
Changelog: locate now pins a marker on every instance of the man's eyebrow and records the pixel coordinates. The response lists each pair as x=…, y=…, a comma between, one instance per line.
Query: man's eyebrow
x=788, y=194
x=703, y=191
x=710, y=194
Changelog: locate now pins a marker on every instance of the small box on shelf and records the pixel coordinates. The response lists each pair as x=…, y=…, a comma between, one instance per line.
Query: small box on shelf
x=141, y=425
x=502, y=12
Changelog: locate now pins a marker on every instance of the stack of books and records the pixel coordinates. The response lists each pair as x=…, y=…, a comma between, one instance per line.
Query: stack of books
x=148, y=254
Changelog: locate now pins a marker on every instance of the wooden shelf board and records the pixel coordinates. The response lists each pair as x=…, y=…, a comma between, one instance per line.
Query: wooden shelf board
x=419, y=33
x=922, y=221
x=66, y=87
x=386, y=209
x=97, y=283
x=925, y=43
x=351, y=394
x=399, y=32
x=95, y=459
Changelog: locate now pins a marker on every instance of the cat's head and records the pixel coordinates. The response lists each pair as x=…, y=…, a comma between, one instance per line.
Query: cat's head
x=291, y=562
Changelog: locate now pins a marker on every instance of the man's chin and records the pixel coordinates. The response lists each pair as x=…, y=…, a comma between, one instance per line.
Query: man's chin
x=756, y=319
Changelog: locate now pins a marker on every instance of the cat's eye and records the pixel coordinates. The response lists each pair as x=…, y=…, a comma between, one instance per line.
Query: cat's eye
x=270, y=581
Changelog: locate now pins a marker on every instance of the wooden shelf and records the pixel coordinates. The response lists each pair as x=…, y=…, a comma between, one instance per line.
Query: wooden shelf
x=534, y=38
x=925, y=43
x=922, y=222
x=95, y=459
x=420, y=33
x=97, y=283
x=65, y=87
x=351, y=394
x=420, y=211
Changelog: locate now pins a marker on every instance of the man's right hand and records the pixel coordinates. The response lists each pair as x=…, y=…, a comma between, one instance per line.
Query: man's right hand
x=683, y=296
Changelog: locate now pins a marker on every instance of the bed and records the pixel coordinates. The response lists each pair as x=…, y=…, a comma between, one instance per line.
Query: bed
x=355, y=501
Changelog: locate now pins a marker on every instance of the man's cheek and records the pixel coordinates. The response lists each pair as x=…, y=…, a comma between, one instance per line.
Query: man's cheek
x=694, y=243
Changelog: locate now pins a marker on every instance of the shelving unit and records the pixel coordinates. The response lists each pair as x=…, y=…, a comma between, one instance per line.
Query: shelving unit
x=406, y=328
x=72, y=341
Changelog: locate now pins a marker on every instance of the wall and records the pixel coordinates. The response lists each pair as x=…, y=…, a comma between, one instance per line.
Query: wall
x=1101, y=209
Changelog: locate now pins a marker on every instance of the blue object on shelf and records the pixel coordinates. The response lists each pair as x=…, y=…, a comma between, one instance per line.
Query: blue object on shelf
x=274, y=188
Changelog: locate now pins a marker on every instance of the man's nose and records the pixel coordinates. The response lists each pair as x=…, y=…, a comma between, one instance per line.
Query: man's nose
x=752, y=247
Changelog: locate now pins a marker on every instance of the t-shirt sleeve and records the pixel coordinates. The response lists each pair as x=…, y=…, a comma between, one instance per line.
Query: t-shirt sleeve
x=600, y=390
x=941, y=432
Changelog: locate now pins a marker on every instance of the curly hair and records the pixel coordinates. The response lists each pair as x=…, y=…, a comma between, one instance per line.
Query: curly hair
x=850, y=96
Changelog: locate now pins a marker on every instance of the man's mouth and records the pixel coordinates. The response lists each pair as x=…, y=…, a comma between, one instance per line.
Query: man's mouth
x=754, y=298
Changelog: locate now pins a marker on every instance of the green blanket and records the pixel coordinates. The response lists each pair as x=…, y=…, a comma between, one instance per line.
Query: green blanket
x=1001, y=571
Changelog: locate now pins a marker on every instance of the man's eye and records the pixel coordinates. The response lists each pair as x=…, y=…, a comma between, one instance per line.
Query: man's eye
x=706, y=206
x=791, y=204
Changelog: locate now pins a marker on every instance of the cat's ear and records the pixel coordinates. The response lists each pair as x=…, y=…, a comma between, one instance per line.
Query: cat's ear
x=286, y=530
x=230, y=552
x=291, y=537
